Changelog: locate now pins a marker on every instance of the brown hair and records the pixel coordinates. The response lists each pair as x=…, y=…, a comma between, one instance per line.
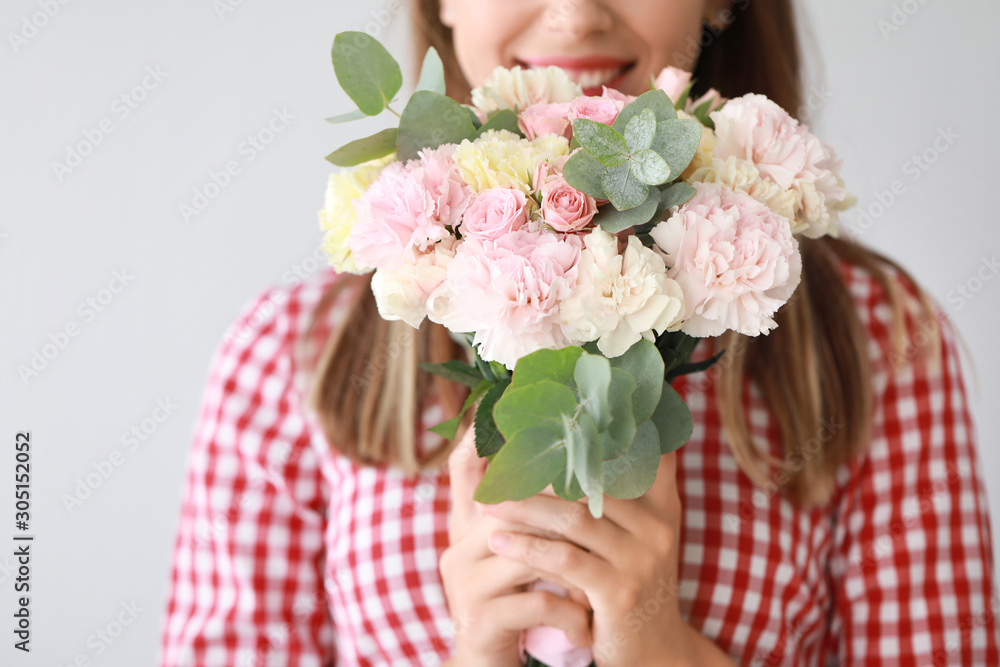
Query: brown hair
x=813, y=367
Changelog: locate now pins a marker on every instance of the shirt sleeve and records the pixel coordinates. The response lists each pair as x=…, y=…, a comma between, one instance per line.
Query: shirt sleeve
x=246, y=585
x=912, y=565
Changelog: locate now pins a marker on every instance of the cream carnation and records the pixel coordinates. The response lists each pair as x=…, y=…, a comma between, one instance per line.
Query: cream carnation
x=499, y=158
x=735, y=260
x=620, y=298
x=518, y=88
x=742, y=176
x=402, y=294
x=338, y=216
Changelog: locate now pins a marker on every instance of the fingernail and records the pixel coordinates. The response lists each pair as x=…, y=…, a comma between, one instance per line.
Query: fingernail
x=499, y=540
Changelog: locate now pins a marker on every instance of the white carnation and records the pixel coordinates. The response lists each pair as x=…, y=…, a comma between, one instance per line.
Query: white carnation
x=403, y=294
x=620, y=297
x=518, y=88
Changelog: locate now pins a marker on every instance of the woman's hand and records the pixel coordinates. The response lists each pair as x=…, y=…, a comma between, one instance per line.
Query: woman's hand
x=626, y=563
x=486, y=593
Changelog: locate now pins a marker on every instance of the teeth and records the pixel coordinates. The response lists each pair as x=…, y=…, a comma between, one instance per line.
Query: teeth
x=594, y=77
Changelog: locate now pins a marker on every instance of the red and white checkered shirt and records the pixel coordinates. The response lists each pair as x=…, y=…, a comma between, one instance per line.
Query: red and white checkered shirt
x=289, y=554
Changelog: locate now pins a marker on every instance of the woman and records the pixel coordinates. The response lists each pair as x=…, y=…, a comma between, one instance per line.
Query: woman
x=827, y=510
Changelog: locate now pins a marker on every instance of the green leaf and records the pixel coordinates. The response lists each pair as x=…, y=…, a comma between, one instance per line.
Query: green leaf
x=633, y=473
x=357, y=114
x=456, y=371
x=674, y=194
x=430, y=120
x=573, y=492
x=593, y=378
x=695, y=367
x=505, y=119
x=613, y=221
x=432, y=73
x=473, y=118
x=624, y=190
x=655, y=100
x=364, y=150
x=583, y=460
x=605, y=144
x=584, y=173
x=367, y=73
x=448, y=429
x=555, y=365
x=535, y=405
x=528, y=463
x=620, y=433
x=645, y=364
x=649, y=167
x=488, y=438
x=673, y=420
x=676, y=142
x=640, y=130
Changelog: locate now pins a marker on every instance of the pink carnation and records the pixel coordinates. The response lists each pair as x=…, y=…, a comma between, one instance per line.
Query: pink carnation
x=673, y=81
x=539, y=119
x=735, y=260
x=408, y=208
x=508, y=292
x=755, y=129
x=598, y=109
x=495, y=212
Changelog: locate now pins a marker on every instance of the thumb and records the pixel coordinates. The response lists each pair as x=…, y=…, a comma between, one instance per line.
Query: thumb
x=465, y=471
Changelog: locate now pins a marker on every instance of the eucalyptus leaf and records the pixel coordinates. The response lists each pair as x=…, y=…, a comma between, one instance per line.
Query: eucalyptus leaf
x=674, y=194
x=366, y=71
x=488, y=438
x=593, y=378
x=584, y=173
x=430, y=120
x=357, y=114
x=525, y=465
x=613, y=221
x=573, y=492
x=676, y=142
x=605, y=144
x=555, y=365
x=645, y=364
x=448, y=429
x=541, y=403
x=456, y=371
x=432, y=73
x=583, y=457
x=364, y=150
x=633, y=473
x=673, y=421
x=640, y=130
x=649, y=167
x=505, y=119
x=624, y=190
x=620, y=433
x=655, y=100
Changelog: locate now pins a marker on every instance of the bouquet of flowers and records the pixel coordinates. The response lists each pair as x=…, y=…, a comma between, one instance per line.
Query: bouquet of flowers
x=580, y=244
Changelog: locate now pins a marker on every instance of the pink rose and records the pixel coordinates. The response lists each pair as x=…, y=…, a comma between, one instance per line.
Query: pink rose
x=756, y=129
x=598, y=109
x=673, y=81
x=539, y=119
x=617, y=95
x=408, y=209
x=713, y=97
x=507, y=291
x=495, y=212
x=565, y=208
x=736, y=261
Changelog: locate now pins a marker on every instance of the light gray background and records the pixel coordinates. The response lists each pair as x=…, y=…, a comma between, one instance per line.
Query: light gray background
x=879, y=97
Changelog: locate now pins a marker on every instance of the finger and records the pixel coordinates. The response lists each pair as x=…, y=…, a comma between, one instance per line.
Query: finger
x=555, y=518
x=522, y=611
x=465, y=470
x=556, y=558
x=503, y=576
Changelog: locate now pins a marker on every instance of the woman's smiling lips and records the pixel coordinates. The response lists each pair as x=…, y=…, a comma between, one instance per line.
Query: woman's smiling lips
x=591, y=72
